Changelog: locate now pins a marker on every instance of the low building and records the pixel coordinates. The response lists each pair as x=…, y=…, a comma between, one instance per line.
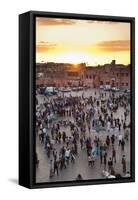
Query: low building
x=115, y=75
x=66, y=74
x=60, y=74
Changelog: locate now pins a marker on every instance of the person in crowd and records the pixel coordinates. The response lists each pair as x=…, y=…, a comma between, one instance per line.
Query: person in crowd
x=120, y=139
x=101, y=157
x=122, y=144
x=56, y=167
x=105, y=160
x=90, y=160
x=124, y=164
x=51, y=169
x=79, y=177
x=110, y=164
x=113, y=155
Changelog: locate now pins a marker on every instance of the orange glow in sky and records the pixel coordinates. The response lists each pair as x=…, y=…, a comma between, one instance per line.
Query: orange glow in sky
x=76, y=41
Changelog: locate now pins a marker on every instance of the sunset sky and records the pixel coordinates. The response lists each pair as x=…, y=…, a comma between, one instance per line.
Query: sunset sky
x=76, y=41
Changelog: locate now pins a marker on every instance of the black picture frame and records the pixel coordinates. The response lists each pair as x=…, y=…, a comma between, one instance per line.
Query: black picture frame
x=27, y=98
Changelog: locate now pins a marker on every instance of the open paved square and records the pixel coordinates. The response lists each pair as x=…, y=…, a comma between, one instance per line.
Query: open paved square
x=72, y=135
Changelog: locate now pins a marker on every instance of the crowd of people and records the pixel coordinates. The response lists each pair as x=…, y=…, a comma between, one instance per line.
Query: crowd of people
x=68, y=125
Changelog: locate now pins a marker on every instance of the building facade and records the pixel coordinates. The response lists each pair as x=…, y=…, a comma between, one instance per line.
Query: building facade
x=115, y=75
x=60, y=74
x=66, y=74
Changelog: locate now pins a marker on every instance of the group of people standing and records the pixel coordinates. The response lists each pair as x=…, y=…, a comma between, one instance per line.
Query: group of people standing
x=92, y=124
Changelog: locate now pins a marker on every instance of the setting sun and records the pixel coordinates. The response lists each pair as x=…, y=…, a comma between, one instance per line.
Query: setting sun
x=72, y=57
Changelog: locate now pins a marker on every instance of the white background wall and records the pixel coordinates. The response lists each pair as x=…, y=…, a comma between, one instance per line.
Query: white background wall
x=9, y=11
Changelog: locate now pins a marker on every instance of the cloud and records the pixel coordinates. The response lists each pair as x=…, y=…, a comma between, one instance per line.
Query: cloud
x=102, y=22
x=45, y=21
x=42, y=47
x=112, y=46
x=42, y=21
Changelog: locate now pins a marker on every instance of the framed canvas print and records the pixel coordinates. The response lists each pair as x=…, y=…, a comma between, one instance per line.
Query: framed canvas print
x=76, y=99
